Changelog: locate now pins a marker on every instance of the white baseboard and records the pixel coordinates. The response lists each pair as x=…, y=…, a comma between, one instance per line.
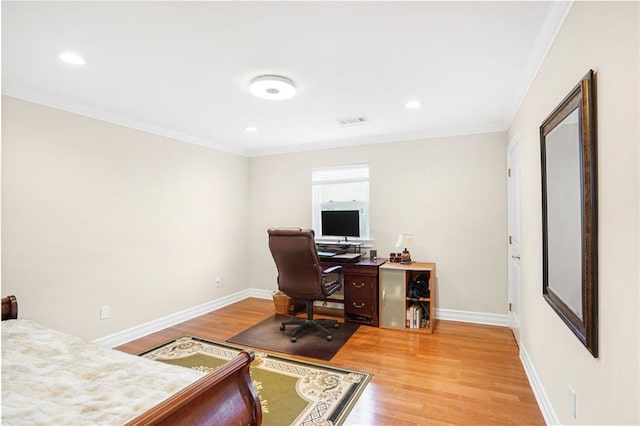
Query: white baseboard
x=125, y=336
x=173, y=319
x=260, y=294
x=501, y=320
x=549, y=414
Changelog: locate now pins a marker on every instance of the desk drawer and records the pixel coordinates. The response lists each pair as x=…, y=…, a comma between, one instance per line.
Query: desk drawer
x=357, y=284
x=360, y=293
x=360, y=307
x=360, y=285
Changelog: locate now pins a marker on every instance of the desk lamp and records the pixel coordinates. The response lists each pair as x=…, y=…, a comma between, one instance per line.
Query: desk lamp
x=406, y=241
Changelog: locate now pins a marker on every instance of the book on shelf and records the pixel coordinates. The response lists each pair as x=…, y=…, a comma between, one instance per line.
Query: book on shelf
x=414, y=316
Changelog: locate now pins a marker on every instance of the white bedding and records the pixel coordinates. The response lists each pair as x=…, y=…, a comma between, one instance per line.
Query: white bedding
x=52, y=378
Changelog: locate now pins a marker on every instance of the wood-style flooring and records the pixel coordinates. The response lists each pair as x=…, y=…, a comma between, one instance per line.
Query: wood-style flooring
x=463, y=374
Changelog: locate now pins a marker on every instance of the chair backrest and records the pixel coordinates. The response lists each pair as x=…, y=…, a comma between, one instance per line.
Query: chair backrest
x=299, y=270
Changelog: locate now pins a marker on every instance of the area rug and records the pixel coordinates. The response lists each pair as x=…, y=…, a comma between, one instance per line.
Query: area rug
x=291, y=392
x=267, y=335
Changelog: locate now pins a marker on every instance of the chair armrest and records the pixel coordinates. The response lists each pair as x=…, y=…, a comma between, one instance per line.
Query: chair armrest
x=334, y=269
x=330, y=287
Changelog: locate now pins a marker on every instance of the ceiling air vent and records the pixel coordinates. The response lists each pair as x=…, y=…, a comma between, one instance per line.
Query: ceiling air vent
x=352, y=121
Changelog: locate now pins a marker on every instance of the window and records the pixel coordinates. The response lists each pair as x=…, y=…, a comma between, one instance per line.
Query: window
x=341, y=188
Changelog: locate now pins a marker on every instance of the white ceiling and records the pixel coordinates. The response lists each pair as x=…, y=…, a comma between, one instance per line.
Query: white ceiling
x=182, y=69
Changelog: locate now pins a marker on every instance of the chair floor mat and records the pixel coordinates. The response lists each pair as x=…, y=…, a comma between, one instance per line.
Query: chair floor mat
x=311, y=343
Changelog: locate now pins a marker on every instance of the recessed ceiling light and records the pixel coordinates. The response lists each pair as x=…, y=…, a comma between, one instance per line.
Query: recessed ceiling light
x=251, y=129
x=413, y=105
x=272, y=87
x=72, y=58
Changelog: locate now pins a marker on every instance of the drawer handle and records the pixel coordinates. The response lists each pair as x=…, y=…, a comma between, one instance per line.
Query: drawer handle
x=355, y=305
x=357, y=286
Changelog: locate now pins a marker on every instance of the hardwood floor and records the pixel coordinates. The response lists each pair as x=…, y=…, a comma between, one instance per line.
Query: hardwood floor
x=464, y=374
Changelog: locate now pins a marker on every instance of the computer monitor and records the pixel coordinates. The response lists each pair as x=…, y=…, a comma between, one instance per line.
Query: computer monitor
x=340, y=223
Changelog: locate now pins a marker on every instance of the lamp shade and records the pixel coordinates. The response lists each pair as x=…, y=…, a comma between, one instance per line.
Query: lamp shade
x=405, y=240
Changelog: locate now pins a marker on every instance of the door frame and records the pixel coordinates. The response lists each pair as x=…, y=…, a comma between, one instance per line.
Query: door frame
x=513, y=202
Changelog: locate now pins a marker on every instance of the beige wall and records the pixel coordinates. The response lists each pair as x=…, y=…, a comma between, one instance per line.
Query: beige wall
x=450, y=192
x=603, y=37
x=94, y=213
x=97, y=214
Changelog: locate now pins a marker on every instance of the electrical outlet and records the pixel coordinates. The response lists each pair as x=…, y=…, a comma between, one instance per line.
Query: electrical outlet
x=572, y=402
x=104, y=312
x=218, y=282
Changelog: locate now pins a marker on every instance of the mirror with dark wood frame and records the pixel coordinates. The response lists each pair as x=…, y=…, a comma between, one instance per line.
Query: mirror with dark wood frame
x=569, y=212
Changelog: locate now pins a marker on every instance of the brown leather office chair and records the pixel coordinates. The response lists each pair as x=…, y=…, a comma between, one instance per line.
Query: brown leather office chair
x=301, y=277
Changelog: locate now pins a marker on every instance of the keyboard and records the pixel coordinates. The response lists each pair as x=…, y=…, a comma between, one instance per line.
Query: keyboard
x=326, y=253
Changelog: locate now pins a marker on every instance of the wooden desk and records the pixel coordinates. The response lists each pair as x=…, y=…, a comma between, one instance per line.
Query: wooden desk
x=359, y=291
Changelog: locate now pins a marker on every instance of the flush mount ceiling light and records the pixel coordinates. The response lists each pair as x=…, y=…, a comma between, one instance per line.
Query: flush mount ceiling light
x=272, y=87
x=250, y=129
x=412, y=105
x=71, y=58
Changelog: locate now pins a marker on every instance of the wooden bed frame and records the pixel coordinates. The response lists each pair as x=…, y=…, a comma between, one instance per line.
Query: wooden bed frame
x=224, y=396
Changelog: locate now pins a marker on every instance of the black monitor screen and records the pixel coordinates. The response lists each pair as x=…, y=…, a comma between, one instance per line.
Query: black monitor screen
x=341, y=223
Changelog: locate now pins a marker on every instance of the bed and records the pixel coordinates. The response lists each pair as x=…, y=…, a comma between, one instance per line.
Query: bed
x=49, y=377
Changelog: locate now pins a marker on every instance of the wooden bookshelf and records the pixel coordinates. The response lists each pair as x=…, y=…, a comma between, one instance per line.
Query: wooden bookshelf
x=395, y=302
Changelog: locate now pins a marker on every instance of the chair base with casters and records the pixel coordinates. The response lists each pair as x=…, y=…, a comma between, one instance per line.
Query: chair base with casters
x=321, y=325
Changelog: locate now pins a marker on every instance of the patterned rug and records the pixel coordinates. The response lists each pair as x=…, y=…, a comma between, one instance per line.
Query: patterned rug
x=291, y=392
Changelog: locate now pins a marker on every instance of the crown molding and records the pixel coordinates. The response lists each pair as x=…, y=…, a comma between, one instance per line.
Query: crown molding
x=376, y=140
x=553, y=21
x=120, y=120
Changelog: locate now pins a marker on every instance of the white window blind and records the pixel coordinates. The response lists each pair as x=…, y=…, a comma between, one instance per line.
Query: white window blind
x=337, y=174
